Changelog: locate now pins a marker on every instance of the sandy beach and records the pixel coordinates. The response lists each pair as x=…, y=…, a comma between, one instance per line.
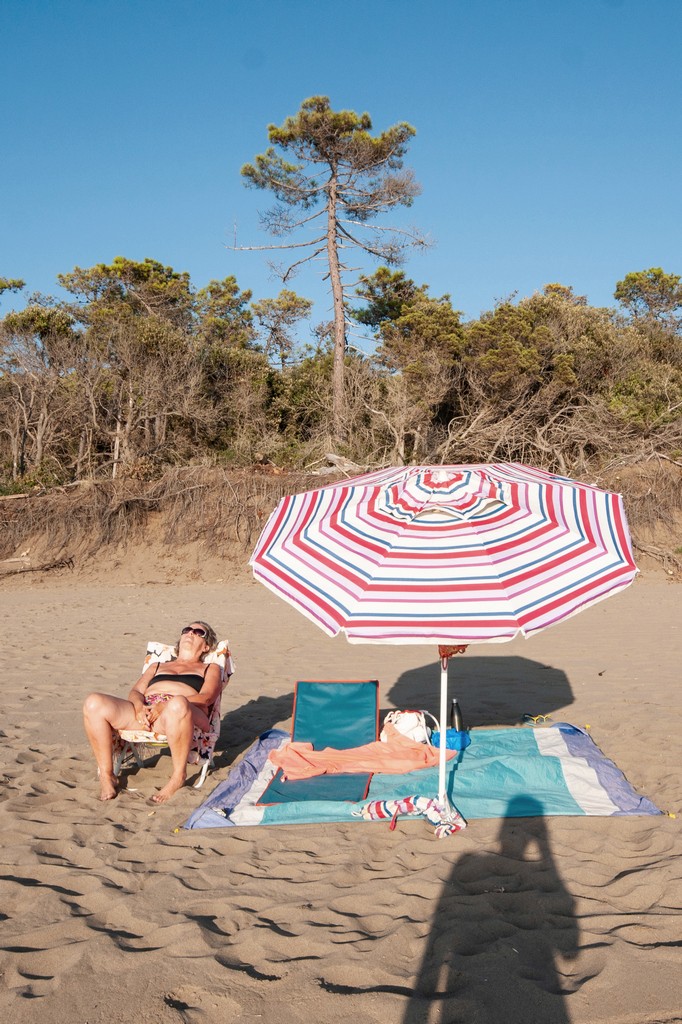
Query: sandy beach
x=109, y=914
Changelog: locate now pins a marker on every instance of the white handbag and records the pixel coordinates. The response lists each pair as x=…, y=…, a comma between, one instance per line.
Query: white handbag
x=412, y=724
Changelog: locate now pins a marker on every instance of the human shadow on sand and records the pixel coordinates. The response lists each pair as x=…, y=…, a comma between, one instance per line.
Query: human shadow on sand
x=503, y=936
x=490, y=690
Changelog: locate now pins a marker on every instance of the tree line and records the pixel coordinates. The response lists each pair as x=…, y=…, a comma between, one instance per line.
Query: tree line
x=137, y=369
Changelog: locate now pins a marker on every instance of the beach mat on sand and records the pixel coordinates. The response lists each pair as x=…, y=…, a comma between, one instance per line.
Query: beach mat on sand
x=517, y=772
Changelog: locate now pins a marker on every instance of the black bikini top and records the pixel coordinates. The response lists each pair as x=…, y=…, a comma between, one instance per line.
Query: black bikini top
x=192, y=679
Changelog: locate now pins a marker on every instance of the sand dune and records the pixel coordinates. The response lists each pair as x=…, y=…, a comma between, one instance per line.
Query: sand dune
x=106, y=906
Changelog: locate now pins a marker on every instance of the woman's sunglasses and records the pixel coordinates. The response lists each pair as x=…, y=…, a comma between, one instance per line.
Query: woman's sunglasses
x=197, y=630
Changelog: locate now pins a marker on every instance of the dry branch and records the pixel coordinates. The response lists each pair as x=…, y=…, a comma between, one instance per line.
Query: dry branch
x=62, y=563
x=665, y=556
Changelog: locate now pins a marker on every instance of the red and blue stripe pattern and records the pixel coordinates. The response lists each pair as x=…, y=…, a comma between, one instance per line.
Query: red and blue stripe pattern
x=446, y=554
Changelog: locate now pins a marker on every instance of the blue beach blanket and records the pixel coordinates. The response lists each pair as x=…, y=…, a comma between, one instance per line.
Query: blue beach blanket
x=522, y=772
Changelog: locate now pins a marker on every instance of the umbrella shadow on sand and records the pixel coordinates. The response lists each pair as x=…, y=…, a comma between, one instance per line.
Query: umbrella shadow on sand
x=490, y=690
x=503, y=936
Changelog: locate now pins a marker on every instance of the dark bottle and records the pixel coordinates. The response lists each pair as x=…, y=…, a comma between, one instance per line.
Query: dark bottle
x=456, y=720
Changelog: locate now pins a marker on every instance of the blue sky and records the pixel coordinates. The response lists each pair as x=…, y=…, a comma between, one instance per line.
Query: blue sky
x=548, y=141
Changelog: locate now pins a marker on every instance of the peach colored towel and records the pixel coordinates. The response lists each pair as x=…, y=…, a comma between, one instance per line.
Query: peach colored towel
x=395, y=754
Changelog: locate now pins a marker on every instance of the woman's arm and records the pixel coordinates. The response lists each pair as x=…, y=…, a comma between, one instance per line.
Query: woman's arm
x=136, y=695
x=211, y=688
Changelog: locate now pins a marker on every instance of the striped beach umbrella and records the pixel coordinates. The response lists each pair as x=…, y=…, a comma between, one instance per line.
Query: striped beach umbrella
x=452, y=555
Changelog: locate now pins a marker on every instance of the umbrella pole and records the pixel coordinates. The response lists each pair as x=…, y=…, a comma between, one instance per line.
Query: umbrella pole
x=442, y=746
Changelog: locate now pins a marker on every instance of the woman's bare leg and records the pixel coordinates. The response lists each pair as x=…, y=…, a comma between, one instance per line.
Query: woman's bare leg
x=176, y=722
x=101, y=715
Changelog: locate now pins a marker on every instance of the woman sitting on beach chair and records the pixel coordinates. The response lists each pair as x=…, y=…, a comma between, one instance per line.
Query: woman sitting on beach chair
x=170, y=699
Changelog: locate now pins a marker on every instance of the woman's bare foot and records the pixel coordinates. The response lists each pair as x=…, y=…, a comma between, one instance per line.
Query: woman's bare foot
x=108, y=786
x=172, y=786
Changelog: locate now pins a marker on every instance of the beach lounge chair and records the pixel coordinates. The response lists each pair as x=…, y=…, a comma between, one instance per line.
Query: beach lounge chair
x=134, y=745
x=330, y=713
